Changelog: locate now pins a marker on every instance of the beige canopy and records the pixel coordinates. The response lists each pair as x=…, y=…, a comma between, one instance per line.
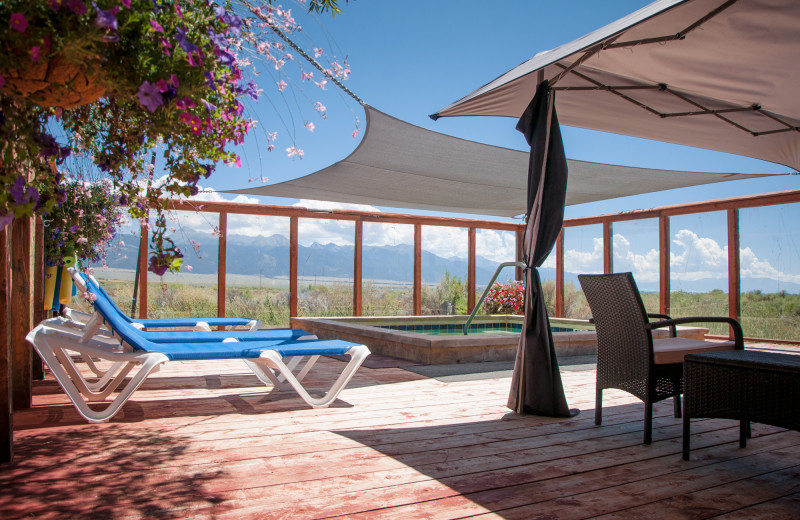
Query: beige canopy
x=714, y=74
x=404, y=166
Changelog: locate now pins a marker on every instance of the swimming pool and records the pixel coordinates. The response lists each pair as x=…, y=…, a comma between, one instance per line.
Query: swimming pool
x=439, y=339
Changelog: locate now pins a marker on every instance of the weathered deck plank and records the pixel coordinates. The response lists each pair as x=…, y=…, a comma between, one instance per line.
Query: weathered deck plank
x=396, y=445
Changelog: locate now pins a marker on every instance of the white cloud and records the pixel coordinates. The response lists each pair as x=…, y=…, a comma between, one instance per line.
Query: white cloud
x=587, y=262
x=751, y=267
x=499, y=246
x=643, y=266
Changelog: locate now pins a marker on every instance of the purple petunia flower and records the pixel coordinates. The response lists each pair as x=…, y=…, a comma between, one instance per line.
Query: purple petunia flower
x=106, y=19
x=149, y=96
x=217, y=39
x=19, y=22
x=211, y=84
x=210, y=107
x=252, y=90
x=77, y=6
x=55, y=5
x=157, y=265
x=183, y=41
x=156, y=26
x=224, y=57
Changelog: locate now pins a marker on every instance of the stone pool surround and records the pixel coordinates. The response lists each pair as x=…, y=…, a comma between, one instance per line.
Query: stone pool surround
x=472, y=348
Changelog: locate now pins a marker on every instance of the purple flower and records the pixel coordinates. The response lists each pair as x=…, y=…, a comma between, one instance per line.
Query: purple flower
x=149, y=96
x=35, y=53
x=186, y=45
x=126, y=3
x=252, y=90
x=55, y=5
x=19, y=22
x=106, y=19
x=157, y=265
x=209, y=106
x=77, y=6
x=6, y=219
x=217, y=39
x=211, y=84
x=224, y=57
x=156, y=26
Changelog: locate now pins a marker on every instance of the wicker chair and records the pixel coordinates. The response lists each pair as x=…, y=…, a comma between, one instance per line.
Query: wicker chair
x=627, y=356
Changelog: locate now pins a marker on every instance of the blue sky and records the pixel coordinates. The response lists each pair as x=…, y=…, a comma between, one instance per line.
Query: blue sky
x=411, y=58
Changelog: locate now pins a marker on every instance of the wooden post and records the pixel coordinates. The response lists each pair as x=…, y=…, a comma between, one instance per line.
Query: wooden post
x=21, y=310
x=471, y=269
x=417, y=269
x=663, y=264
x=520, y=255
x=143, y=273
x=222, y=252
x=734, y=276
x=357, y=268
x=293, y=237
x=37, y=367
x=608, y=248
x=560, y=274
x=6, y=408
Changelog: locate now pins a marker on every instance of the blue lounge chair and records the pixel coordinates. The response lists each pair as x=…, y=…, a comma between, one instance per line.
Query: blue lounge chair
x=106, y=313
x=154, y=323
x=56, y=344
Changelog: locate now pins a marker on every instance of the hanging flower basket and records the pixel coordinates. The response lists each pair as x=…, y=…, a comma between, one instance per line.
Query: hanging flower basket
x=54, y=83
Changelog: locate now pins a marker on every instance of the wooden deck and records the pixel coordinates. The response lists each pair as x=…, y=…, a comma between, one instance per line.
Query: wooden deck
x=206, y=440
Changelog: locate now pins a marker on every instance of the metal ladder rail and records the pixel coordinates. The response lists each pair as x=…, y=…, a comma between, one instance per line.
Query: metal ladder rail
x=488, y=288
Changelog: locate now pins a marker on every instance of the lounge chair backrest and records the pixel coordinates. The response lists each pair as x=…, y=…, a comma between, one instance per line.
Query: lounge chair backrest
x=620, y=319
x=115, y=320
x=102, y=291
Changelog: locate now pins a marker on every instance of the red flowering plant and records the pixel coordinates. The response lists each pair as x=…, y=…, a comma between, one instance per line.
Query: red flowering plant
x=124, y=82
x=508, y=298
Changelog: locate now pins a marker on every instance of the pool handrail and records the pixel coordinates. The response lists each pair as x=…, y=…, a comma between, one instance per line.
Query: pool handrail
x=488, y=288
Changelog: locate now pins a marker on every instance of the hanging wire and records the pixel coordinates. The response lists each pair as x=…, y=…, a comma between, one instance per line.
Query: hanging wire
x=301, y=52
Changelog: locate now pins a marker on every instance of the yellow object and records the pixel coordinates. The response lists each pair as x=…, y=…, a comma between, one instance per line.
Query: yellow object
x=49, y=285
x=65, y=292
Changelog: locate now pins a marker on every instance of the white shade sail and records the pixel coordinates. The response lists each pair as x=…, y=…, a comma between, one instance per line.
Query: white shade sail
x=404, y=166
x=715, y=74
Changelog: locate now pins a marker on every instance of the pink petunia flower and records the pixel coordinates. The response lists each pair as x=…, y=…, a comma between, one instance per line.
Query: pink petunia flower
x=35, y=54
x=19, y=22
x=77, y=6
x=156, y=26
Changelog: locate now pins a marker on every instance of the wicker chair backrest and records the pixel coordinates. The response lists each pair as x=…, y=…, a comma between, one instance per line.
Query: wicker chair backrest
x=624, y=343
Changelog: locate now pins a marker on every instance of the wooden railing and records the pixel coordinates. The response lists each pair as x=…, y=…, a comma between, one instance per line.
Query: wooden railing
x=21, y=271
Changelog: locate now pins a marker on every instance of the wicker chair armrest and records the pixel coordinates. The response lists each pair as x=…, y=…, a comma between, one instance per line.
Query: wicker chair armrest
x=738, y=335
x=672, y=329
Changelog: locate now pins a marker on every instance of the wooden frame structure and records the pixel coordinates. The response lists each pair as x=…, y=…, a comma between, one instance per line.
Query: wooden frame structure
x=21, y=270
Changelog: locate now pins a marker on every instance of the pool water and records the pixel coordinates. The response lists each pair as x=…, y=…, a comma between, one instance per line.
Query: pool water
x=452, y=329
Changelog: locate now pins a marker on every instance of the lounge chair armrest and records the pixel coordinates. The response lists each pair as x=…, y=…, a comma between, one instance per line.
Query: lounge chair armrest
x=738, y=335
x=673, y=330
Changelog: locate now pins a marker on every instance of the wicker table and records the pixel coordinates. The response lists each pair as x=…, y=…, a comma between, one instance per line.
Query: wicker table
x=745, y=385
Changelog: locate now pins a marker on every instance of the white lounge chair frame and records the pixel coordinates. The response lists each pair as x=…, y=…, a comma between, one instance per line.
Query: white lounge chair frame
x=56, y=344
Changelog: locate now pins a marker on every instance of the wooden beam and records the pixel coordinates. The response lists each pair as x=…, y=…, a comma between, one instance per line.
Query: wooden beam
x=560, y=274
x=21, y=357
x=222, y=266
x=471, y=281
x=520, y=254
x=417, y=269
x=293, y=238
x=663, y=264
x=750, y=201
x=142, y=300
x=337, y=214
x=6, y=369
x=734, y=276
x=357, y=267
x=608, y=248
x=37, y=366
